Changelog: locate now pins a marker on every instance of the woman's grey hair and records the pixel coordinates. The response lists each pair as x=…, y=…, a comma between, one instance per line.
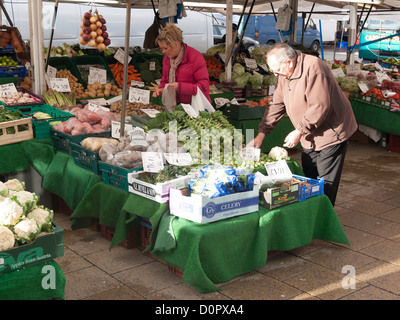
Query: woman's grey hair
x=282, y=52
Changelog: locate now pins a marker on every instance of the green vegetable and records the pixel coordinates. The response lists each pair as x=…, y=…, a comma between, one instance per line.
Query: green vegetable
x=238, y=69
x=8, y=115
x=26, y=231
x=256, y=81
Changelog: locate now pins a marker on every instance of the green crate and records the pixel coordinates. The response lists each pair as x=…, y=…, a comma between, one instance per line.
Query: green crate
x=85, y=158
x=241, y=112
x=116, y=176
x=14, y=79
x=62, y=141
x=83, y=63
x=139, y=58
x=41, y=127
x=66, y=63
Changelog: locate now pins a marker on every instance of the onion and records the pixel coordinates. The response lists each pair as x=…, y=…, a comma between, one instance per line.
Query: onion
x=100, y=16
x=103, y=21
x=105, y=35
x=93, y=27
x=99, y=39
x=93, y=34
x=93, y=19
x=99, y=32
x=87, y=15
x=86, y=22
x=101, y=47
x=107, y=42
x=103, y=27
x=83, y=42
x=81, y=33
x=92, y=43
x=82, y=25
x=86, y=30
x=87, y=37
x=98, y=24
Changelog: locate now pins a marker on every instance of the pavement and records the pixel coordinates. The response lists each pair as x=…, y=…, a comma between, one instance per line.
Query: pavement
x=367, y=205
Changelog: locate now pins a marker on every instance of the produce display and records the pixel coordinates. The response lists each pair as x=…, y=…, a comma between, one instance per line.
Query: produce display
x=134, y=107
x=63, y=51
x=22, y=219
x=59, y=100
x=19, y=97
x=95, y=143
x=9, y=115
x=94, y=31
x=150, y=70
x=8, y=61
x=74, y=84
x=117, y=70
x=87, y=121
x=98, y=90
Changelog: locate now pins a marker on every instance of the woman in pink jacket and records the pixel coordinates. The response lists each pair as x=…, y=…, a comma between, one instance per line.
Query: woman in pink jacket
x=184, y=68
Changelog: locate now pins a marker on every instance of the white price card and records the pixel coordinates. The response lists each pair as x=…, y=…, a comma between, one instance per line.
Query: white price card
x=363, y=87
x=138, y=137
x=115, y=99
x=190, y=110
x=116, y=129
x=7, y=89
x=152, y=66
x=250, y=63
x=97, y=75
x=119, y=55
x=252, y=154
x=150, y=112
x=51, y=72
x=139, y=84
x=60, y=84
x=338, y=72
x=152, y=161
x=378, y=66
x=380, y=76
x=179, y=159
x=277, y=168
x=139, y=95
x=94, y=107
x=353, y=69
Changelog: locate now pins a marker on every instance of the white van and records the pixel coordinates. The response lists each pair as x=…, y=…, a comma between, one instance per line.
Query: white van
x=196, y=27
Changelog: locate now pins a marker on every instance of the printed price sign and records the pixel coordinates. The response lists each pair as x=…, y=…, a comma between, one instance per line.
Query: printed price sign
x=60, y=84
x=139, y=95
x=7, y=89
x=150, y=112
x=252, y=154
x=277, y=168
x=119, y=55
x=152, y=161
x=178, y=159
x=116, y=127
x=97, y=75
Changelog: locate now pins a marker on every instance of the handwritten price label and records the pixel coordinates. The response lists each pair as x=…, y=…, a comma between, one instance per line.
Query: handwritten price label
x=178, y=159
x=252, y=154
x=139, y=84
x=97, y=75
x=277, y=168
x=116, y=129
x=152, y=161
x=139, y=95
x=151, y=112
x=7, y=89
x=120, y=56
x=60, y=84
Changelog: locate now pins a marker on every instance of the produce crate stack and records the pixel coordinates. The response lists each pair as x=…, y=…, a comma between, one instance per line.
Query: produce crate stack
x=133, y=238
x=10, y=64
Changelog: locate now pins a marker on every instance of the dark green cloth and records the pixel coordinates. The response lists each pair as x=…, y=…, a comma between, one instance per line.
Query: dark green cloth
x=68, y=180
x=26, y=283
x=274, y=139
x=18, y=156
x=376, y=117
x=217, y=252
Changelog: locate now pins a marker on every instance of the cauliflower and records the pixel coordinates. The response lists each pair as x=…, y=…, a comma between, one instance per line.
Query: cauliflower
x=43, y=217
x=7, y=239
x=26, y=230
x=3, y=190
x=15, y=184
x=278, y=153
x=10, y=212
x=26, y=199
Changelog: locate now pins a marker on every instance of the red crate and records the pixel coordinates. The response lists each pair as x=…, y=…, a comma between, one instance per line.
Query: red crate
x=132, y=240
x=393, y=143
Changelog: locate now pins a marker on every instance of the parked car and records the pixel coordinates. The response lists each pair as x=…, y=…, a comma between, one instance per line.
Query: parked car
x=220, y=30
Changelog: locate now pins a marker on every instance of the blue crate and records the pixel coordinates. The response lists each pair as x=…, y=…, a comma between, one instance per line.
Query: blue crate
x=315, y=188
x=18, y=70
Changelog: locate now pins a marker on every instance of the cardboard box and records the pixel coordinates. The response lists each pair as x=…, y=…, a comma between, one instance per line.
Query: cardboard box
x=158, y=192
x=202, y=209
x=280, y=196
x=46, y=247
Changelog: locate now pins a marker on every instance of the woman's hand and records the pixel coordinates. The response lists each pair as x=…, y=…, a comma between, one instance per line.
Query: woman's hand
x=158, y=92
x=292, y=139
x=257, y=141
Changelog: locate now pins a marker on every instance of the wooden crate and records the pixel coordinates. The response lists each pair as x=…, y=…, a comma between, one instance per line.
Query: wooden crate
x=18, y=136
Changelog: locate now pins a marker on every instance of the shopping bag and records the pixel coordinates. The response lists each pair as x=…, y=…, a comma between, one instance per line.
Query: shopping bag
x=284, y=18
x=168, y=98
x=201, y=103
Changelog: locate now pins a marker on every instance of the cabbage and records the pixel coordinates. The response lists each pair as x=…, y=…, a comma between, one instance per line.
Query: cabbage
x=269, y=80
x=221, y=77
x=3, y=189
x=26, y=231
x=238, y=69
x=242, y=80
x=256, y=81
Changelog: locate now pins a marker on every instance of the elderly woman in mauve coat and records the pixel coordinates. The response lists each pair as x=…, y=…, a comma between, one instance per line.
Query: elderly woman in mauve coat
x=184, y=68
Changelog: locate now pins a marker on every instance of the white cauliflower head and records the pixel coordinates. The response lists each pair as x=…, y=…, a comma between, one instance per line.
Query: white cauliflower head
x=7, y=239
x=22, y=196
x=278, y=153
x=10, y=212
x=39, y=214
x=3, y=189
x=15, y=184
x=25, y=229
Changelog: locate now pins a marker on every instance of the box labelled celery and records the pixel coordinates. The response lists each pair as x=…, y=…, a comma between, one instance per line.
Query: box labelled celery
x=62, y=141
x=44, y=248
x=116, y=176
x=279, y=196
x=85, y=158
x=41, y=127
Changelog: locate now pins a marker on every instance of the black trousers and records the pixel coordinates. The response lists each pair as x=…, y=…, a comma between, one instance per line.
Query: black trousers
x=327, y=164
